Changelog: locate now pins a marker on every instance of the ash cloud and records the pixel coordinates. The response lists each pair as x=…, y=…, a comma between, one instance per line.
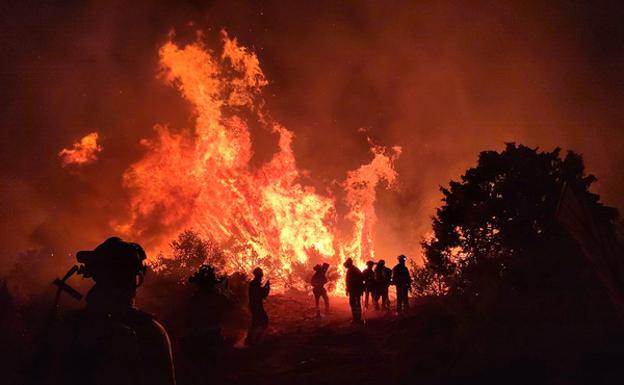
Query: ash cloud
x=443, y=81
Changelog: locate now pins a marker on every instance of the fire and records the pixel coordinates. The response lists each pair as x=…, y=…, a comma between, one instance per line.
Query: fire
x=201, y=178
x=83, y=152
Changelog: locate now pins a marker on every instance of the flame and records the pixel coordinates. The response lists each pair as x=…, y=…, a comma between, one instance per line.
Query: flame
x=201, y=178
x=83, y=152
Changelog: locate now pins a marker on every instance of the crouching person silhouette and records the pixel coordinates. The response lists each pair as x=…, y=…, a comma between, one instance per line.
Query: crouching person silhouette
x=111, y=341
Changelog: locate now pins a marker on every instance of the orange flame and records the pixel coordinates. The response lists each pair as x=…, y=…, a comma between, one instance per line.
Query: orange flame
x=202, y=178
x=83, y=152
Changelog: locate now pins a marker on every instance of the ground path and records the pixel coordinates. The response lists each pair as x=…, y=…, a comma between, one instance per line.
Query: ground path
x=300, y=349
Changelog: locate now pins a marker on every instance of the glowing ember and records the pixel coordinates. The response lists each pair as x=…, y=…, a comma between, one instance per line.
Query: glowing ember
x=201, y=179
x=83, y=152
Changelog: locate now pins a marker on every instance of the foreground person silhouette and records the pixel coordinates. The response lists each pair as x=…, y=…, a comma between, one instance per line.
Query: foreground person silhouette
x=355, y=288
x=259, y=318
x=112, y=342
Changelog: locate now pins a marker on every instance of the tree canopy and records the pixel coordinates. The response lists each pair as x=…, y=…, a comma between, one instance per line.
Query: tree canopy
x=188, y=252
x=497, y=227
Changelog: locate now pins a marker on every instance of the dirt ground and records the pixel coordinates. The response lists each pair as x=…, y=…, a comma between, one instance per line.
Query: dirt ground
x=301, y=349
x=436, y=342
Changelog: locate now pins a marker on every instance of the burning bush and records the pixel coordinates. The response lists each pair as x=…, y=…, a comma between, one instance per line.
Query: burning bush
x=189, y=251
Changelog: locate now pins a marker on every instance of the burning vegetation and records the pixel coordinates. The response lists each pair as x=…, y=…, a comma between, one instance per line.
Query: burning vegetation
x=83, y=152
x=202, y=178
x=519, y=276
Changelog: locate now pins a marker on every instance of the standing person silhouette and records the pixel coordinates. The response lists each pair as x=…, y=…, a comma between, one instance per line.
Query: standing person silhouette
x=318, y=281
x=205, y=312
x=369, y=284
x=259, y=318
x=355, y=288
x=383, y=277
x=402, y=280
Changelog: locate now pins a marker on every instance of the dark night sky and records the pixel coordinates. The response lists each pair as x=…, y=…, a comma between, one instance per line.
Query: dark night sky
x=443, y=81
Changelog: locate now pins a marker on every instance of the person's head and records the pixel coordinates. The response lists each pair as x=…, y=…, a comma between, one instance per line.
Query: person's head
x=317, y=268
x=381, y=263
x=402, y=258
x=370, y=264
x=204, y=277
x=258, y=273
x=115, y=264
x=348, y=263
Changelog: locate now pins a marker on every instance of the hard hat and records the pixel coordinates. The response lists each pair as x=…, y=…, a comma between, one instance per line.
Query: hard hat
x=113, y=257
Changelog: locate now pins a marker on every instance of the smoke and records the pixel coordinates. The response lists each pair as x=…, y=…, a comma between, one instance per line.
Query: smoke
x=443, y=81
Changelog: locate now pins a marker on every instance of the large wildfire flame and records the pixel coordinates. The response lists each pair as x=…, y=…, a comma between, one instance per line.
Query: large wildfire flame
x=201, y=179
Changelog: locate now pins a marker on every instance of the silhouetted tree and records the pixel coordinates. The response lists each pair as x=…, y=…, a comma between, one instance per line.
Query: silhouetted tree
x=427, y=282
x=169, y=275
x=497, y=230
x=188, y=252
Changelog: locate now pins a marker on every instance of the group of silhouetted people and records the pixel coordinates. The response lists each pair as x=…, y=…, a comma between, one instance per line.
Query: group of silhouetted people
x=373, y=284
x=112, y=342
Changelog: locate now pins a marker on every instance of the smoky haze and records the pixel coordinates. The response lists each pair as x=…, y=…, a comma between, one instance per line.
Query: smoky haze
x=442, y=81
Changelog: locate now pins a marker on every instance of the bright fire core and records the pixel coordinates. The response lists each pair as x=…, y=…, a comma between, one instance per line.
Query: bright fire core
x=202, y=179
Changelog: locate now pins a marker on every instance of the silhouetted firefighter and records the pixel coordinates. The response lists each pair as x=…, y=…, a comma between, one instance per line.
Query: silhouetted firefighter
x=402, y=279
x=355, y=288
x=383, y=277
x=318, y=281
x=207, y=308
x=259, y=318
x=369, y=284
x=112, y=342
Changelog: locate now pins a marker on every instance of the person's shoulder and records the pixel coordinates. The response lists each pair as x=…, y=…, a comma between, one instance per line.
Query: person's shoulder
x=155, y=346
x=142, y=316
x=146, y=325
x=158, y=328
